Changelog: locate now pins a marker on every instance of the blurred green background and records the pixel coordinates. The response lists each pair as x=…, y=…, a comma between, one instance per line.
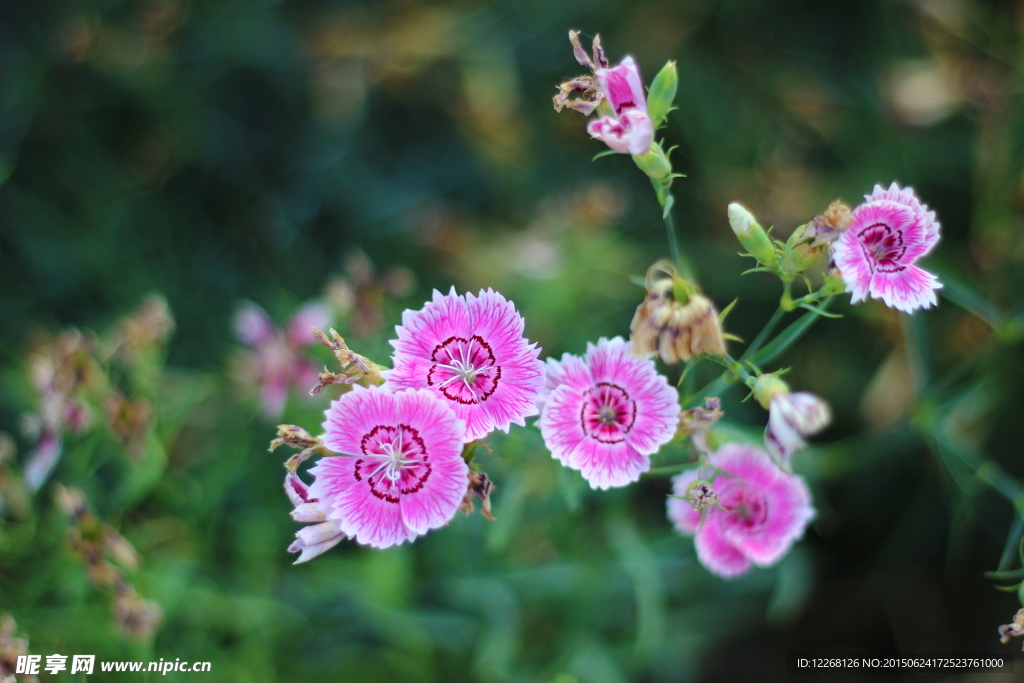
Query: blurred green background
x=217, y=150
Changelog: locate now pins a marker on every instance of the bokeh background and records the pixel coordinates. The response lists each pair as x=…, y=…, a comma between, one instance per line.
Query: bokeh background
x=364, y=153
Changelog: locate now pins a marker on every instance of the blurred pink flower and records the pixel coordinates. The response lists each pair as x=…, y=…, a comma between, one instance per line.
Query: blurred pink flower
x=607, y=413
x=276, y=362
x=629, y=129
x=791, y=417
x=761, y=511
x=402, y=473
x=470, y=351
x=876, y=254
x=321, y=535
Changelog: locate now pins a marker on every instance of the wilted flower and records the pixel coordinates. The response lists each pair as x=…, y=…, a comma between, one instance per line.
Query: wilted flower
x=628, y=129
x=147, y=327
x=608, y=412
x=791, y=418
x=129, y=420
x=361, y=292
x=97, y=543
x=761, y=511
x=876, y=254
x=675, y=320
x=480, y=486
x=276, y=361
x=827, y=228
x=322, y=535
x=701, y=495
x=403, y=474
x=138, y=618
x=587, y=87
x=61, y=369
x=470, y=352
x=1014, y=629
x=12, y=647
x=695, y=422
x=354, y=367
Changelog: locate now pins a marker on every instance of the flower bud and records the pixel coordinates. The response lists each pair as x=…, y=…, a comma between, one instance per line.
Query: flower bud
x=655, y=164
x=792, y=418
x=662, y=93
x=800, y=255
x=700, y=495
x=751, y=235
x=768, y=387
x=833, y=283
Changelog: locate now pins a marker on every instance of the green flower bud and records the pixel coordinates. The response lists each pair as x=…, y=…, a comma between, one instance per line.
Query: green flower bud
x=655, y=164
x=798, y=258
x=767, y=387
x=751, y=235
x=662, y=93
x=834, y=282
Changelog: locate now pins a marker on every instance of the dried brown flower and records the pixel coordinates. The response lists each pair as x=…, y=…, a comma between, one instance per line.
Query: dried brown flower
x=675, y=320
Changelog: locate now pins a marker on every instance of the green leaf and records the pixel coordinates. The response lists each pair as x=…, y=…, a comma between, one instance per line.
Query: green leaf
x=1005, y=575
x=958, y=293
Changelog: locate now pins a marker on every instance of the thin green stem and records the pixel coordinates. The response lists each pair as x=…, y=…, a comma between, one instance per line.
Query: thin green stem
x=787, y=303
x=782, y=343
x=768, y=328
x=673, y=241
x=737, y=369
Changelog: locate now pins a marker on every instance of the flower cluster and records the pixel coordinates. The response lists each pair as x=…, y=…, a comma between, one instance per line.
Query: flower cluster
x=394, y=465
x=108, y=557
x=874, y=248
x=397, y=456
x=397, y=453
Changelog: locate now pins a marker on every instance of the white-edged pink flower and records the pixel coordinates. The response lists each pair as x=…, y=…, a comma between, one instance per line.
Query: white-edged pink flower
x=276, y=361
x=402, y=473
x=761, y=511
x=607, y=413
x=791, y=418
x=322, y=534
x=888, y=233
x=629, y=130
x=470, y=352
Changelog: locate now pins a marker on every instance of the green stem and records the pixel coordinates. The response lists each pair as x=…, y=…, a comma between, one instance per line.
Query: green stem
x=782, y=343
x=673, y=241
x=737, y=369
x=763, y=334
x=787, y=303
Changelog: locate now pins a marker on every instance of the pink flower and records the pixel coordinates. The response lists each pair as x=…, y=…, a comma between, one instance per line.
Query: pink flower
x=322, y=535
x=791, y=417
x=607, y=413
x=403, y=474
x=762, y=511
x=470, y=352
x=629, y=129
x=876, y=254
x=277, y=362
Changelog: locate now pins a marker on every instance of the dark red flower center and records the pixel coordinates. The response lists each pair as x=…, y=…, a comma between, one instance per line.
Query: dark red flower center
x=608, y=413
x=464, y=370
x=394, y=462
x=883, y=247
